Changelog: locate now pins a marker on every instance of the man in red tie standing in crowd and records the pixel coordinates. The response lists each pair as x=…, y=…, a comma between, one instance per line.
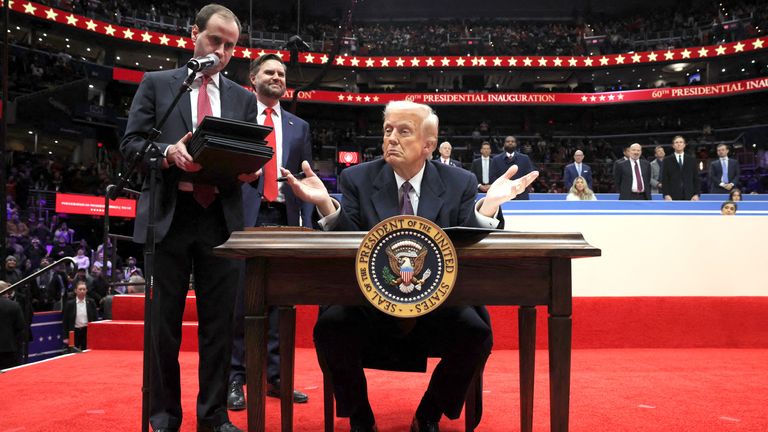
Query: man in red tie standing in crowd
x=191, y=220
x=633, y=176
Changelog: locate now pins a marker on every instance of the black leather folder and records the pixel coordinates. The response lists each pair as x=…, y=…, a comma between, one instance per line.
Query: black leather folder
x=227, y=148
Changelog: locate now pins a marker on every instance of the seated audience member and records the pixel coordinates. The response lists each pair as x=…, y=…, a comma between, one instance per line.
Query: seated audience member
x=734, y=195
x=35, y=252
x=64, y=232
x=728, y=208
x=77, y=314
x=61, y=249
x=580, y=191
x=12, y=326
x=82, y=261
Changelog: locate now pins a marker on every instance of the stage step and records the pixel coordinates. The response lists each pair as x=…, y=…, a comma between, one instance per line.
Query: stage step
x=130, y=307
x=129, y=335
x=598, y=322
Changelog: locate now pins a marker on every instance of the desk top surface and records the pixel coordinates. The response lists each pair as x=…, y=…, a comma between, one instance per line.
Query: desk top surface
x=291, y=242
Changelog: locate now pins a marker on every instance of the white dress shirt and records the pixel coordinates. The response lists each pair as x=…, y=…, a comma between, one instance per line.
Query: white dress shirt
x=486, y=162
x=214, y=95
x=81, y=314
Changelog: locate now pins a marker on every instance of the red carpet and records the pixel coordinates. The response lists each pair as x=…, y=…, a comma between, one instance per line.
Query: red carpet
x=638, y=390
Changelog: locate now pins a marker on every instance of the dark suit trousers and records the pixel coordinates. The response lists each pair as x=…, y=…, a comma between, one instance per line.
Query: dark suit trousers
x=267, y=217
x=81, y=338
x=188, y=248
x=456, y=334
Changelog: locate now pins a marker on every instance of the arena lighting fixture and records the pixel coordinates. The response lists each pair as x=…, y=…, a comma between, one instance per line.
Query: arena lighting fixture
x=118, y=57
x=88, y=49
x=723, y=70
x=90, y=86
x=149, y=55
x=676, y=67
x=68, y=46
x=56, y=141
x=31, y=132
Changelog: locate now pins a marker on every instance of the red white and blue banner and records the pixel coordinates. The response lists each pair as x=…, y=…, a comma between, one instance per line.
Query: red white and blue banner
x=665, y=94
x=402, y=62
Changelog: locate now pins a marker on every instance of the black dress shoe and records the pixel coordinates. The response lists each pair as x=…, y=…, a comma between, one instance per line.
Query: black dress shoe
x=419, y=426
x=364, y=429
x=224, y=427
x=274, y=391
x=165, y=430
x=236, y=397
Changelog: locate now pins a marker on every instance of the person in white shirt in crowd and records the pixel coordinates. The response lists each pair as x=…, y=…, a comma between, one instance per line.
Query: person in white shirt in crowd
x=445, y=155
x=77, y=314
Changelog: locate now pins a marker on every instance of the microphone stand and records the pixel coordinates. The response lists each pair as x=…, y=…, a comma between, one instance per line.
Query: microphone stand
x=151, y=152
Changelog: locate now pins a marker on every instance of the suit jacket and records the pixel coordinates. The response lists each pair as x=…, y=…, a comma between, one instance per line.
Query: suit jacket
x=680, y=184
x=716, y=175
x=656, y=168
x=452, y=162
x=477, y=169
x=152, y=100
x=70, y=311
x=370, y=195
x=296, y=147
x=12, y=325
x=570, y=173
x=624, y=176
x=500, y=164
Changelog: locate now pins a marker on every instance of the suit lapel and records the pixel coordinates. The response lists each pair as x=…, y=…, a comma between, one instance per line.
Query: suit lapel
x=185, y=106
x=287, y=136
x=224, y=87
x=385, y=193
x=431, y=196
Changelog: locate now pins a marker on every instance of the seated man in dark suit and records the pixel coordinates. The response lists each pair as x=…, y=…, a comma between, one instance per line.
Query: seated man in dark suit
x=405, y=182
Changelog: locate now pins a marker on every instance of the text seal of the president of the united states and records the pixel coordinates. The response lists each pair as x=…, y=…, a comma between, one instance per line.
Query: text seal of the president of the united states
x=406, y=266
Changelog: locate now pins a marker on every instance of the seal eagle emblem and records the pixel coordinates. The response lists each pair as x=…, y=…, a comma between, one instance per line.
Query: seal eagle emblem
x=406, y=266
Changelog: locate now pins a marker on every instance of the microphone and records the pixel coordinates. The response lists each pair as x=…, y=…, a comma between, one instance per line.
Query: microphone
x=199, y=63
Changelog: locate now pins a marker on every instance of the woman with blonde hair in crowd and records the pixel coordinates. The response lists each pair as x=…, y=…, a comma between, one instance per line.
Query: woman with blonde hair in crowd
x=580, y=191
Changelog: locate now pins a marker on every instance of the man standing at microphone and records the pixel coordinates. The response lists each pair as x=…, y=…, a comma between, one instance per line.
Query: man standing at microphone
x=191, y=220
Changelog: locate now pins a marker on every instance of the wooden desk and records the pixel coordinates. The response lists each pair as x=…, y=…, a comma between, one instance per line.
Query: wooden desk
x=286, y=268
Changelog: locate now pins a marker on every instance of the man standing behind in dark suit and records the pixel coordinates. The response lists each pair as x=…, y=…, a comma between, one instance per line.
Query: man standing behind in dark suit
x=576, y=169
x=78, y=312
x=481, y=167
x=191, y=220
x=270, y=205
x=680, y=176
x=633, y=176
x=504, y=160
x=405, y=182
x=444, y=158
x=657, y=165
x=724, y=172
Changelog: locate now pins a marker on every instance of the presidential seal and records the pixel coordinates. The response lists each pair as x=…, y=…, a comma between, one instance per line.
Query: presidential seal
x=406, y=266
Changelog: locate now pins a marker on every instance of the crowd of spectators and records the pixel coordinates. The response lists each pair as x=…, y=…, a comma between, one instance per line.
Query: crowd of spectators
x=676, y=26
x=36, y=237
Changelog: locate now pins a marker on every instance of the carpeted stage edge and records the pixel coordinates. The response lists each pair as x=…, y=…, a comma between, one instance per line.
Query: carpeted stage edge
x=598, y=322
x=638, y=390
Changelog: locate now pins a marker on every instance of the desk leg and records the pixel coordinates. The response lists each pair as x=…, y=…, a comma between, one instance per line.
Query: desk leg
x=559, y=371
x=256, y=322
x=559, y=326
x=287, y=331
x=526, y=324
x=255, y=371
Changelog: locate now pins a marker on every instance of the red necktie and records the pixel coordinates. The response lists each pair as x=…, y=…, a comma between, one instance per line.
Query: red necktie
x=270, y=169
x=639, y=177
x=204, y=194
